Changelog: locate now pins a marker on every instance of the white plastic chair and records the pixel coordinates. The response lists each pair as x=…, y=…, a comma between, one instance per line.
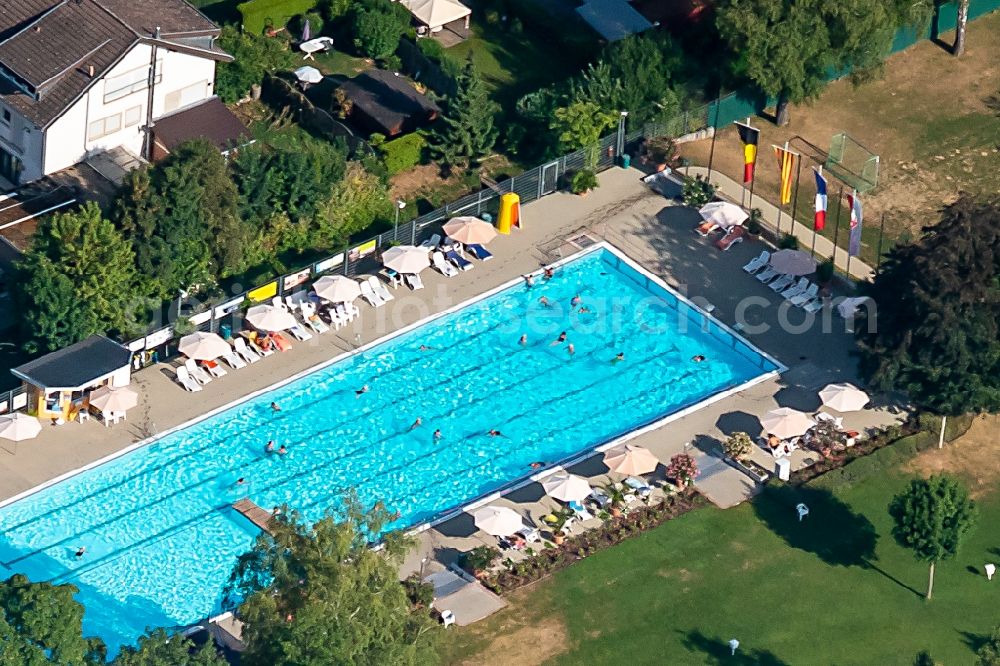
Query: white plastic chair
x=447, y=618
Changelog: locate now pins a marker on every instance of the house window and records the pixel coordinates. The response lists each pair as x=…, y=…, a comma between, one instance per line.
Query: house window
x=133, y=116
x=6, y=117
x=134, y=80
x=185, y=96
x=104, y=126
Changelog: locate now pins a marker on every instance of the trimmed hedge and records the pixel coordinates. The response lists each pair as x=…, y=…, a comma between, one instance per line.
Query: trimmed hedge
x=403, y=153
x=259, y=14
x=893, y=455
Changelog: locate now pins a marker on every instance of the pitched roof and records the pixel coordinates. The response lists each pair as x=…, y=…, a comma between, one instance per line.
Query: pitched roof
x=210, y=120
x=76, y=366
x=48, y=46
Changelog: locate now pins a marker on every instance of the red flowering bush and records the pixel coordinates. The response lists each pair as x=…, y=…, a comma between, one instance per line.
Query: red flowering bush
x=682, y=469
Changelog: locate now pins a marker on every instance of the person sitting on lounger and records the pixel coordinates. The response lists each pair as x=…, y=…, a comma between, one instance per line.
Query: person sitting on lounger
x=417, y=423
x=773, y=441
x=266, y=343
x=618, y=359
x=364, y=389
x=561, y=339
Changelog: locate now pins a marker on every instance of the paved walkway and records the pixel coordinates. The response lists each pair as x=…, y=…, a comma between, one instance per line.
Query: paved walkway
x=824, y=246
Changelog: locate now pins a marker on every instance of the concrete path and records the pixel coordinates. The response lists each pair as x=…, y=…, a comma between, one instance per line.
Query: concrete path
x=824, y=246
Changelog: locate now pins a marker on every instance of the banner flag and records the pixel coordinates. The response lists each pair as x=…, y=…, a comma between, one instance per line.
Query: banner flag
x=786, y=163
x=750, y=136
x=854, y=249
x=819, y=221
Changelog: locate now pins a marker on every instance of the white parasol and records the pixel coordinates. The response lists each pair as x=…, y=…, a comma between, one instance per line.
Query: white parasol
x=630, y=460
x=19, y=427
x=203, y=346
x=270, y=318
x=308, y=74
x=470, y=230
x=108, y=399
x=786, y=422
x=406, y=259
x=497, y=520
x=337, y=288
x=567, y=487
x=844, y=397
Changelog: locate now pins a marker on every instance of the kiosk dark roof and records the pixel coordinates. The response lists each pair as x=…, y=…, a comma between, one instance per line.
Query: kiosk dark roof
x=76, y=366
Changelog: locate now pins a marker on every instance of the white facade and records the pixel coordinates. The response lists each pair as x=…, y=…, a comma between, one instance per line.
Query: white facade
x=111, y=113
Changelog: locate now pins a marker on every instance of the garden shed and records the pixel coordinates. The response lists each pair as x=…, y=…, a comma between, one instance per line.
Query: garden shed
x=384, y=102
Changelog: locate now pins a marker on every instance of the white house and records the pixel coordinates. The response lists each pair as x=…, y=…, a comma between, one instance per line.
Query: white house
x=77, y=77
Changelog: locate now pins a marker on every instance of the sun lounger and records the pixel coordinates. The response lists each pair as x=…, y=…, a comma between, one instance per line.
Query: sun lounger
x=600, y=498
x=380, y=289
x=758, y=263
x=806, y=297
x=186, y=381
x=432, y=242
x=530, y=534
x=244, y=351
x=252, y=343
x=460, y=261
x=278, y=303
x=767, y=274
x=439, y=263
x=837, y=421
x=813, y=306
x=199, y=374
x=413, y=280
x=795, y=289
x=281, y=342
x=234, y=361
x=392, y=276
x=732, y=237
x=580, y=510
x=300, y=333
x=479, y=252
x=214, y=368
x=369, y=295
x=705, y=228
x=781, y=283
x=642, y=488
x=313, y=321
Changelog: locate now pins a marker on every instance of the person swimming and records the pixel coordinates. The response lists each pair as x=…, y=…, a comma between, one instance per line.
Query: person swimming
x=576, y=300
x=584, y=310
x=545, y=302
x=275, y=407
x=618, y=359
x=548, y=272
x=529, y=280
x=364, y=389
x=416, y=424
x=425, y=348
x=282, y=450
x=270, y=447
x=523, y=341
x=561, y=339
x=495, y=433
x=241, y=481
x=571, y=349
x=437, y=435
x=537, y=465
x=80, y=552
x=698, y=358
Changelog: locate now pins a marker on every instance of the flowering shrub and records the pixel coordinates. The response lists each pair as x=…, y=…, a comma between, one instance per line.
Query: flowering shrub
x=682, y=469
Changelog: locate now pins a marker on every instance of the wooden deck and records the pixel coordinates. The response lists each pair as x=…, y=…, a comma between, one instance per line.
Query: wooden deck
x=254, y=514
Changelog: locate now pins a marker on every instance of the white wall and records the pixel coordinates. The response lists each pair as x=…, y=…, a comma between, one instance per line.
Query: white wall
x=68, y=140
x=24, y=140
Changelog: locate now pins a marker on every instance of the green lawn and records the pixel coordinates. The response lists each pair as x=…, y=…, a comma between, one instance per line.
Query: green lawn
x=834, y=589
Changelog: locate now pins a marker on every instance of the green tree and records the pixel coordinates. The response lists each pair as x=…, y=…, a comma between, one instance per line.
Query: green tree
x=989, y=653
x=160, y=649
x=78, y=278
x=253, y=57
x=356, y=202
x=581, y=125
x=41, y=624
x=789, y=48
x=924, y=658
x=934, y=330
x=318, y=594
x=932, y=516
x=467, y=131
x=378, y=26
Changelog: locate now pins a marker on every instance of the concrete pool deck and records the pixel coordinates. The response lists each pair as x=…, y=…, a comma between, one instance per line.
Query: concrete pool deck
x=623, y=211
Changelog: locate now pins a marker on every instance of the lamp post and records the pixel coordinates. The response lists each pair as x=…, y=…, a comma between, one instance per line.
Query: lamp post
x=620, y=143
x=400, y=205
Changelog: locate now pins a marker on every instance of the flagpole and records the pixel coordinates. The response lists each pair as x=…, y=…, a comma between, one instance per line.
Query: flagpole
x=753, y=170
x=881, y=234
x=812, y=252
x=836, y=228
x=715, y=131
x=795, y=196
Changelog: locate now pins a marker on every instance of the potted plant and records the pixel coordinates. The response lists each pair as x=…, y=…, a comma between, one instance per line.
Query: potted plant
x=583, y=182
x=556, y=521
x=478, y=560
x=616, y=497
x=754, y=224
x=824, y=272
x=738, y=446
x=788, y=242
x=682, y=469
x=698, y=191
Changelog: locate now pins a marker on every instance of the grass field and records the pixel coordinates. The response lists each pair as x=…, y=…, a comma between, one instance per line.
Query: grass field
x=834, y=589
x=932, y=119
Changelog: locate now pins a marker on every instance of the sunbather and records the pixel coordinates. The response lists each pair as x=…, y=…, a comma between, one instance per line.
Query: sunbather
x=265, y=342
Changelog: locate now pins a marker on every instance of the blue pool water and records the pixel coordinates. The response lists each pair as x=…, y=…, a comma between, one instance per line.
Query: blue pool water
x=161, y=537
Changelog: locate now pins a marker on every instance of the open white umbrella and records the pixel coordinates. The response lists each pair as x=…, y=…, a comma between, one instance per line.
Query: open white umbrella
x=567, y=487
x=724, y=214
x=337, y=288
x=793, y=262
x=844, y=397
x=786, y=422
x=308, y=74
x=406, y=259
x=19, y=426
x=270, y=318
x=470, y=230
x=630, y=460
x=108, y=399
x=203, y=346
x=497, y=520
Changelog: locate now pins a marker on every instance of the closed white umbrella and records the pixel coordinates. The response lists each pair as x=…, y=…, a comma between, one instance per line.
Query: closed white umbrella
x=630, y=460
x=308, y=74
x=567, y=487
x=406, y=258
x=497, y=520
x=793, y=262
x=470, y=230
x=337, y=288
x=844, y=397
x=108, y=399
x=270, y=318
x=19, y=427
x=786, y=422
x=724, y=214
x=203, y=346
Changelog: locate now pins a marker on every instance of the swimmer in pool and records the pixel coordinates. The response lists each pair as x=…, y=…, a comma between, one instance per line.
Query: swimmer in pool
x=584, y=310
x=425, y=348
x=545, y=302
x=575, y=300
x=571, y=349
x=529, y=280
x=438, y=435
x=618, y=359
x=275, y=407
x=80, y=552
x=548, y=272
x=558, y=341
x=417, y=423
x=495, y=433
x=537, y=465
x=241, y=481
x=270, y=447
x=697, y=359
x=524, y=340
x=362, y=390
x=282, y=450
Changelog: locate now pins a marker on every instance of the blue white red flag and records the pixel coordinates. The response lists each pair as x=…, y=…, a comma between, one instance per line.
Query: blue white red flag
x=819, y=221
x=854, y=249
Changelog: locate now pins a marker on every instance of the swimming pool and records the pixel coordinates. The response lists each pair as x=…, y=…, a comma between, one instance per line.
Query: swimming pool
x=160, y=532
